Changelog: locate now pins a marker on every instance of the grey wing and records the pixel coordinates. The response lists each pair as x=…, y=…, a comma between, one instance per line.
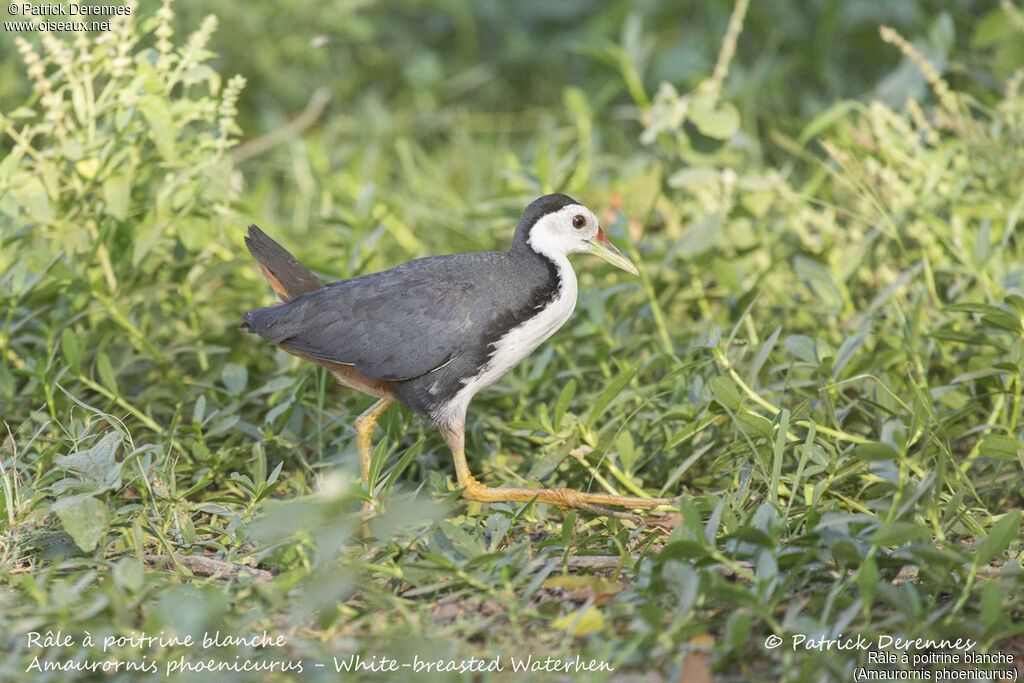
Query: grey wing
x=393, y=325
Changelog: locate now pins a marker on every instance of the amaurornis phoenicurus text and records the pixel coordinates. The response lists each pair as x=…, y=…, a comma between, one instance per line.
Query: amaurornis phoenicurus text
x=433, y=332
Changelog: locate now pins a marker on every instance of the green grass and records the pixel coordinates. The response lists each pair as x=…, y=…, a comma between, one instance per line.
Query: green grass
x=823, y=354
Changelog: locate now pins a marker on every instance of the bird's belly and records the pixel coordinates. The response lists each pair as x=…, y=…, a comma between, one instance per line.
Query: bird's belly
x=522, y=340
x=511, y=348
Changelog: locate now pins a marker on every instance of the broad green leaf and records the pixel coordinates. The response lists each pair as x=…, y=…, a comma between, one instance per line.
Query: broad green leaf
x=641, y=191
x=737, y=630
x=845, y=553
x=84, y=518
x=803, y=347
x=715, y=119
x=998, y=538
x=1001, y=447
x=701, y=235
x=498, y=526
x=97, y=468
x=235, y=378
x=752, y=535
x=128, y=574
x=1003, y=320
x=875, y=451
x=849, y=348
x=758, y=425
x=898, y=533
x=161, y=125
x=117, y=195
x=817, y=279
x=725, y=392
x=725, y=272
x=87, y=167
x=32, y=195
x=1016, y=302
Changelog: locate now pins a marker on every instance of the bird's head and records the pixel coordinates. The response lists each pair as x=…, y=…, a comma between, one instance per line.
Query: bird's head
x=557, y=224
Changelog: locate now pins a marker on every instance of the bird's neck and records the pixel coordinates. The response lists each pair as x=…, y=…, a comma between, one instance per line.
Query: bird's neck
x=553, y=259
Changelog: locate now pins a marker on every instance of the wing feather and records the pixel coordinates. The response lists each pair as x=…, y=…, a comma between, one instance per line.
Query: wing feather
x=396, y=324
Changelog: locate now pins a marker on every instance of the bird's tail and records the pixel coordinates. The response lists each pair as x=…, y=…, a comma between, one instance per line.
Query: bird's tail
x=287, y=277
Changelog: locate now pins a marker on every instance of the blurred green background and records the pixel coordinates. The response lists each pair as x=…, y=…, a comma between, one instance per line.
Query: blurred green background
x=823, y=353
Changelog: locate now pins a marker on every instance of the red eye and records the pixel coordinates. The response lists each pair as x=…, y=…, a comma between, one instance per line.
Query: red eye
x=578, y=221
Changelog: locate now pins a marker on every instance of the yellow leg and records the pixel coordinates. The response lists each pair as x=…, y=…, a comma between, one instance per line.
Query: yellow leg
x=565, y=498
x=364, y=425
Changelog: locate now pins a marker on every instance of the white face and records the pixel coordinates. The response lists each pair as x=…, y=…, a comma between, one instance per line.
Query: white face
x=566, y=231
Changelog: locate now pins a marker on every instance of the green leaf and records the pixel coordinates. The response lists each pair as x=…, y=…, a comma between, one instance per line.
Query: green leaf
x=235, y=378
x=973, y=307
x=1003, y=320
x=72, y=350
x=1001, y=448
x=827, y=119
x=875, y=451
x=117, y=191
x=106, y=372
x=1016, y=302
x=627, y=452
x=725, y=392
x=701, y=235
x=758, y=424
x=737, y=629
x=96, y=468
x=641, y=190
x=867, y=582
x=84, y=518
x=719, y=122
x=762, y=355
x=32, y=195
x=845, y=553
x=688, y=431
x=849, y=348
x=998, y=539
x=87, y=168
x=969, y=338
x=613, y=389
x=565, y=397
x=725, y=272
x=817, y=279
x=752, y=535
x=898, y=533
x=991, y=603
x=202, y=72
x=581, y=622
x=128, y=574
x=693, y=175
x=803, y=347
x=161, y=125
x=6, y=381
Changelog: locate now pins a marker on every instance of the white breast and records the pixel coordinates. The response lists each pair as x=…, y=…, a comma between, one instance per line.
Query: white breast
x=517, y=343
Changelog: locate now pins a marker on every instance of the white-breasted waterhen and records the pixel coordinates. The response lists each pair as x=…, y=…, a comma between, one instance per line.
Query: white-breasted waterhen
x=433, y=332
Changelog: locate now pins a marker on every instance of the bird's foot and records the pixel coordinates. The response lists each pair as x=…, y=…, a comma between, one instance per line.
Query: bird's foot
x=595, y=503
